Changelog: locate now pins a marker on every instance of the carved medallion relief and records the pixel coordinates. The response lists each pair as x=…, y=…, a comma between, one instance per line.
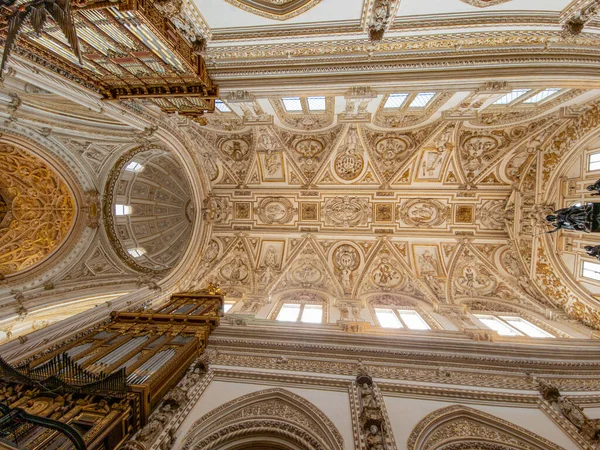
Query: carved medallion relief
x=347, y=211
x=346, y=260
x=349, y=162
x=309, y=154
x=424, y=213
x=276, y=210
x=385, y=275
x=237, y=155
x=235, y=270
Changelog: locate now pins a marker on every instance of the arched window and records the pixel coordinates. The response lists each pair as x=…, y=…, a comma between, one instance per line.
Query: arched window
x=512, y=326
x=303, y=307
x=399, y=312
x=511, y=321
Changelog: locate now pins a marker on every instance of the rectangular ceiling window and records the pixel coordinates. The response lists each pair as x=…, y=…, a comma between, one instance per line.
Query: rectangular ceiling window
x=511, y=96
x=594, y=161
x=227, y=307
x=422, y=99
x=292, y=104
x=136, y=252
x=222, y=106
x=526, y=327
x=413, y=320
x=395, y=100
x=134, y=167
x=591, y=270
x=316, y=103
x=497, y=325
x=312, y=314
x=122, y=210
x=543, y=95
x=387, y=318
x=289, y=313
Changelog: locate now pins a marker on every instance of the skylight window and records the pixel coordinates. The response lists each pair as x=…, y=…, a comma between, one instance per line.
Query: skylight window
x=289, y=313
x=594, y=161
x=387, y=318
x=136, y=252
x=227, y=307
x=134, y=167
x=391, y=318
x=293, y=312
x=497, y=325
x=413, y=320
x=526, y=327
x=512, y=326
x=395, y=100
x=543, y=95
x=312, y=314
x=221, y=106
x=122, y=210
x=591, y=270
x=316, y=103
x=292, y=104
x=422, y=99
x=511, y=96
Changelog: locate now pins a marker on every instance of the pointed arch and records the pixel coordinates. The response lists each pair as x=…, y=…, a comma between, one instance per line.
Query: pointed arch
x=272, y=415
x=460, y=427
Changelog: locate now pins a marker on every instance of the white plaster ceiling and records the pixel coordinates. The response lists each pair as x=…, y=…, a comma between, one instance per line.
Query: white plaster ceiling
x=220, y=14
x=436, y=7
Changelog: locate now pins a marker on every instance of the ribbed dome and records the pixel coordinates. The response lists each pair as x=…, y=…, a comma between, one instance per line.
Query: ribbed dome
x=151, y=211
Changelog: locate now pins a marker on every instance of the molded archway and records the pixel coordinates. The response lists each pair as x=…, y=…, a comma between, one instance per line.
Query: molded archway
x=461, y=427
x=274, y=416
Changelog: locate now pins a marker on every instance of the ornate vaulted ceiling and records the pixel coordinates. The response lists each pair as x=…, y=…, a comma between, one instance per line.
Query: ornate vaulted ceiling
x=359, y=201
x=359, y=149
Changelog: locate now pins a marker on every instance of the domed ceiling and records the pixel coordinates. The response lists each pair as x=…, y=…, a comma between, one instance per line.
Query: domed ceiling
x=37, y=210
x=150, y=215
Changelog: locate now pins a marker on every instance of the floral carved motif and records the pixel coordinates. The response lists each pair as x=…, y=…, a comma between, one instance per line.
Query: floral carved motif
x=38, y=210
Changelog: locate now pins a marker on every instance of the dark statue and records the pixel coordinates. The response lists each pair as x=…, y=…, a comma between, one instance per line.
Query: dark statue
x=594, y=187
x=593, y=250
x=585, y=218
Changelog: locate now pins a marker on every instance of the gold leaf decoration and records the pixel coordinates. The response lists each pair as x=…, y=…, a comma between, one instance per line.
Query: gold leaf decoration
x=40, y=210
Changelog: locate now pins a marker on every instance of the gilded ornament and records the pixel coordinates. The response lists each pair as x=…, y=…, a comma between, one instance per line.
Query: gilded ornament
x=39, y=210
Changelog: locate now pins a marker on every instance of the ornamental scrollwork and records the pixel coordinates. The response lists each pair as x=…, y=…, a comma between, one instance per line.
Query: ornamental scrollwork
x=38, y=210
